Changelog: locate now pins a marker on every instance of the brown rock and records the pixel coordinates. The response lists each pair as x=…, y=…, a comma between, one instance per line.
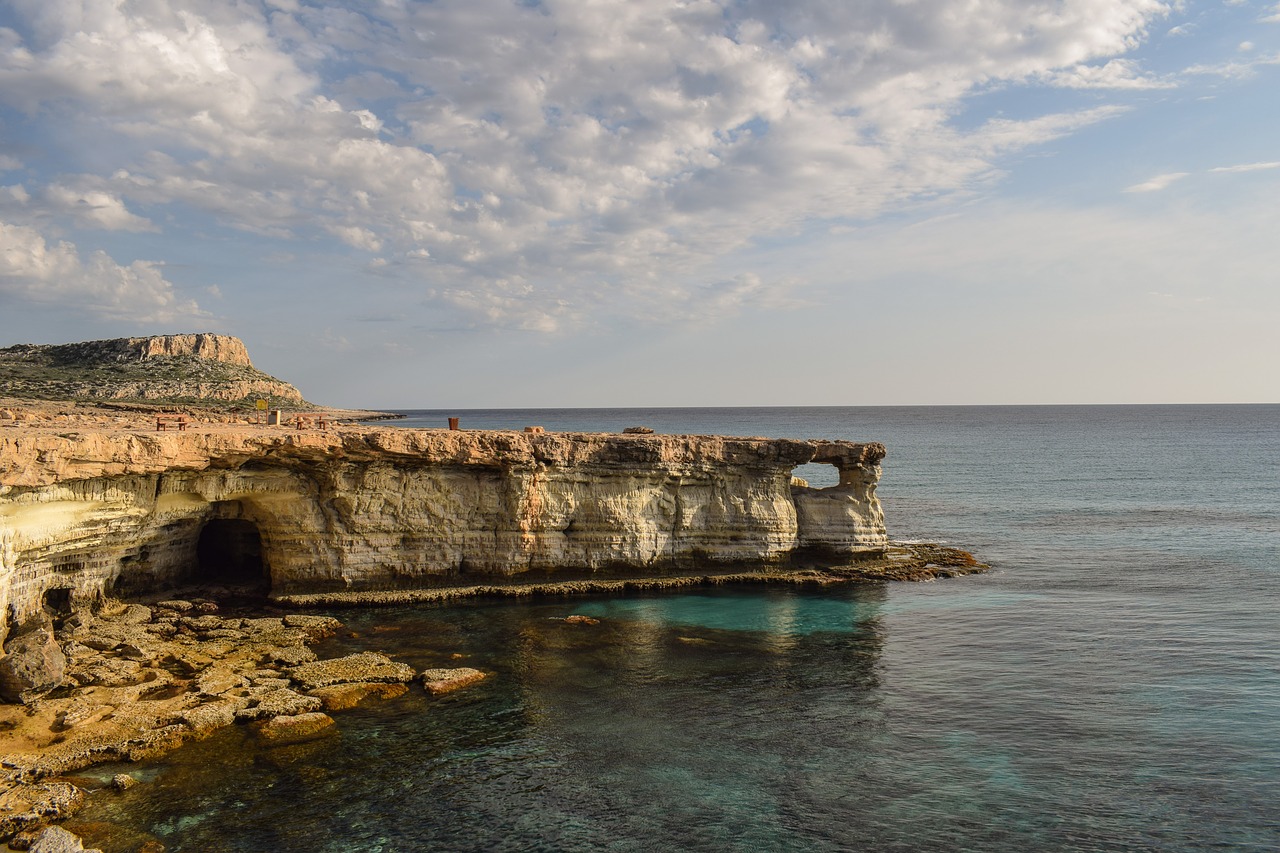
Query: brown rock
x=363, y=667
x=30, y=806
x=317, y=627
x=297, y=728
x=438, y=681
x=123, y=781
x=207, y=718
x=55, y=839
x=33, y=665
x=342, y=697
x=277, y=703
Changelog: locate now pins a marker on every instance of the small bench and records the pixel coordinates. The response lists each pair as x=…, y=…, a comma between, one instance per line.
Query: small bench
x=178, y=422
x=304, y=420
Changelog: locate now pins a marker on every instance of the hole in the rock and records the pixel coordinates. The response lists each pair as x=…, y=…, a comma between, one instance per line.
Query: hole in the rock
x=229, y=551
x=819, y=475
x=58, y=602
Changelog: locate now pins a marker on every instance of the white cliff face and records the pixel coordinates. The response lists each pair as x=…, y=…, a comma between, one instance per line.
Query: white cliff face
x=223, y=348
x=82, y=514
x=845, y=518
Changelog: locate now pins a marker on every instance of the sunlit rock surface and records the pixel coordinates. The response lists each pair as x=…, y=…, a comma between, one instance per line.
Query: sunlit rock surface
x=94, y=511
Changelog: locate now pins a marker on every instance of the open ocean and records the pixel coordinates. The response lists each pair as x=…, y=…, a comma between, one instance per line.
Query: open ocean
x=1113, y=684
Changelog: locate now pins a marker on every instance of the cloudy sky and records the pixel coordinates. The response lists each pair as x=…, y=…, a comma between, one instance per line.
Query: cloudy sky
x=657, y=202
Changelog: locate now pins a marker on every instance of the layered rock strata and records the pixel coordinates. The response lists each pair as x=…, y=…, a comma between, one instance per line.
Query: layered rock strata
x=84, y=514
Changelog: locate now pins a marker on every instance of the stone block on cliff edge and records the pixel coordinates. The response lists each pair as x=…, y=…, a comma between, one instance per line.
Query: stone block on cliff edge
x=33, y=665
x=365, y=666
x=438, y=681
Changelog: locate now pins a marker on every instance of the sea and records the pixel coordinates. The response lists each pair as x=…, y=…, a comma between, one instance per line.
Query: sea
x=1112, y=684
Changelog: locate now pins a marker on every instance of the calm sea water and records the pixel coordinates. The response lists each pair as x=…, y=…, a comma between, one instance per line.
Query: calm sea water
x=1114, y=684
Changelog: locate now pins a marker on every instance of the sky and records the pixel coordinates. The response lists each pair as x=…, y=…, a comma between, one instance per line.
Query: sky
x=557, y=203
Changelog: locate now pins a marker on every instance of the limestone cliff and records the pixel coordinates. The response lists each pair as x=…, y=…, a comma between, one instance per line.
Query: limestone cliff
x=162, y=368
x=85, y=513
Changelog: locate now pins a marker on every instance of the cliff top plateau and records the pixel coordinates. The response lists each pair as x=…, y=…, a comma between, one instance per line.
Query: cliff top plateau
x=195, y=369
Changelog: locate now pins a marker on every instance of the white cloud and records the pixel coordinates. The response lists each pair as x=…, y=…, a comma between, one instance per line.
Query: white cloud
x=36, y=272
x=1159, y=182
x=94, y=208
x=541, y=164
x=1247, y=167
x=1234, y=70
x=1116, y=74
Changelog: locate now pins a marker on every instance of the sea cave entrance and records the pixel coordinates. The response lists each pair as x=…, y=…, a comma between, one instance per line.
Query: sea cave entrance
x=229, y=551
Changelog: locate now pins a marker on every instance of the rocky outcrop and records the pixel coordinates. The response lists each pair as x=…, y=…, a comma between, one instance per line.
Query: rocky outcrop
x=221, y=348
x=362, y=668
x=440, y=681
x=82, y=514
x=33, y=663
x=368, y=509
x=197, y=367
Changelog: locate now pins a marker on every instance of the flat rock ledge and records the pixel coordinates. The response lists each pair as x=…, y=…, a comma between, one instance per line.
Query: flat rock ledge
x=366, y=667
x=900, y=561
x=438, y=681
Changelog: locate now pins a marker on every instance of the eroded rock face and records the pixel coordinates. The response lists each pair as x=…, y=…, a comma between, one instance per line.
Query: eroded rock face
x=366, y=508
x=222, y=348
x=33, y=664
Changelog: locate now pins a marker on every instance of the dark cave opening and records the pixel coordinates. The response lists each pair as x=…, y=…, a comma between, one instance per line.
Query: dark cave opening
x=229, y=551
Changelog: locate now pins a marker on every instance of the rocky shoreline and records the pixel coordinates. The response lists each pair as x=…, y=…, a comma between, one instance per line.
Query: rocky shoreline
x=96, y=675
x=136, y=680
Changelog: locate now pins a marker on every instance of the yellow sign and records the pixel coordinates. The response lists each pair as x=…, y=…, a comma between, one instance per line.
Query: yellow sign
x=262, y=405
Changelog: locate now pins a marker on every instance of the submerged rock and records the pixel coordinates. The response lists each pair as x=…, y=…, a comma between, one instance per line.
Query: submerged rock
x=341, y=697
x=123, y=781
x=298, y=728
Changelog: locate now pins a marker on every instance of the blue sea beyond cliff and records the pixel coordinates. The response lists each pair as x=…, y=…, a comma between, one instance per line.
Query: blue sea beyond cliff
x=1113, y=684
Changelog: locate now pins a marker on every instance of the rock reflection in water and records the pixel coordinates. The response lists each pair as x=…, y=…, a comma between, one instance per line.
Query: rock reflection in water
x=677, y=721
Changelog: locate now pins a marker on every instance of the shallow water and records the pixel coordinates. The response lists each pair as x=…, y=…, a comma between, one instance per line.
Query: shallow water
x=1113, y=685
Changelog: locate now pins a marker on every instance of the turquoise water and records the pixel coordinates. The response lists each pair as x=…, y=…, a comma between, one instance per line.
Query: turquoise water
x=1114, y=683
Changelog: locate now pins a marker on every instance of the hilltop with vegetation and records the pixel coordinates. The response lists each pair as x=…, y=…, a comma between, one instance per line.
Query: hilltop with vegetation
x=196, y=369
